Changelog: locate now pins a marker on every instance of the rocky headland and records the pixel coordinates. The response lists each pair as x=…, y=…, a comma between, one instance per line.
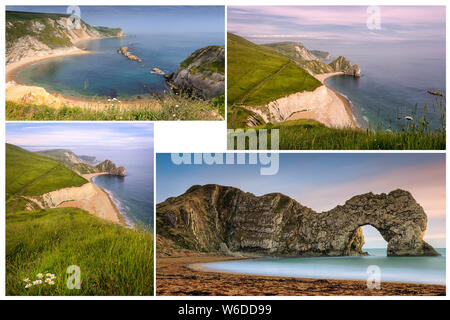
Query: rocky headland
x=226, y=220
x=201, y=74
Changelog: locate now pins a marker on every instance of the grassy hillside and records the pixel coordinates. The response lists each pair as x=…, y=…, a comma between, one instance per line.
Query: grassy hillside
x=253, y=69
x=112, y=32
x=289, y=49
x=20, y=24
x=30, y=174
x=311, y=135
x=38, y=25
x=113, y=260
x=56, y=154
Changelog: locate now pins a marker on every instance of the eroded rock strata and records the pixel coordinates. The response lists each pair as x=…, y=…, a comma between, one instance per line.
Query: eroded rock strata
x=202, y=73
x=215, y=218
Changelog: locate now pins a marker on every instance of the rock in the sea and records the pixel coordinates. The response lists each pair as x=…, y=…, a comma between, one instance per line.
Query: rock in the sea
x=211, y=218
x=202, y=73
x=341, y=64
x=110, y=167
x=124, y=51
x=157, y=70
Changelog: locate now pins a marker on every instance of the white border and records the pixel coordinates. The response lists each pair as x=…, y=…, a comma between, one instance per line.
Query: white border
x=215, y=142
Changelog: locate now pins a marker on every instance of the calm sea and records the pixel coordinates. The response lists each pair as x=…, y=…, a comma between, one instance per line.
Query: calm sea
x=132, y=194
x=427, y=270
x=105, y=73
x=395, y=79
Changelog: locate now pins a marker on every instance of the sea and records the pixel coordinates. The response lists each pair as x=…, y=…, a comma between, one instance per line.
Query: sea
x=105, y=73
x=395, y=78
x=424, y=270
x=132, y=194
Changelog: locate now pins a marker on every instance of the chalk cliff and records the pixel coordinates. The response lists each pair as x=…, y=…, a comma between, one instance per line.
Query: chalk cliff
x=30, y=34
x=215, y=218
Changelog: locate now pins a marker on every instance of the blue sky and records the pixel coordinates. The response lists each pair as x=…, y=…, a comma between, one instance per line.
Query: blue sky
x=146, y=19
x=263, y=24
x=81, y=137
x=322, y=181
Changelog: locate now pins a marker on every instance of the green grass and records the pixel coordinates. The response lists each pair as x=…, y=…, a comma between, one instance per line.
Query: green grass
x=113, y=260
x=258, y=75
x=34, y=174
x=312, y=135
x=111, y=32
x=214, y=65
x=22, y=26
x=30, y=174
x=171, y=107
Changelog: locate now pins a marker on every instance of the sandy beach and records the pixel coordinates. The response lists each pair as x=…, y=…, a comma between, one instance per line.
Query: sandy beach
x=96, y=201
x=21, y=93
x=182, y=276
x=13, y=68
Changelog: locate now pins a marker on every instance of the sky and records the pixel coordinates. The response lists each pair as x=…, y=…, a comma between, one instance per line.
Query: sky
x=81, y=138
x=146, y=19
x=322, y=181
x=264, y=24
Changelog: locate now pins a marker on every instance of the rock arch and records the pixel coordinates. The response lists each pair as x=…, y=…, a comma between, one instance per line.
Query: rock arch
x=214, y=218
x=400, y=220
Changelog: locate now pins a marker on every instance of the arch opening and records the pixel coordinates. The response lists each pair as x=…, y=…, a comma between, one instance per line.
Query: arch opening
x=374, y=243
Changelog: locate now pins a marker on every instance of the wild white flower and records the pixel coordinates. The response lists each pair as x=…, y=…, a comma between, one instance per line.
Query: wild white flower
x=48, y=279
x=28, y=285
x=26, y=280
x=36, y=282
x=51, y=283
x=40, y=275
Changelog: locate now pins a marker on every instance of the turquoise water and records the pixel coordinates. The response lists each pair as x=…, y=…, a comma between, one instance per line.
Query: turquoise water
x=132, y=194
x=105, y=73
x=395, y=79
x=426, y=270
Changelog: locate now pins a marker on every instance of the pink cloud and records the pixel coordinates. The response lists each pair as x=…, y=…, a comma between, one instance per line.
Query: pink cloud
x=426, y=184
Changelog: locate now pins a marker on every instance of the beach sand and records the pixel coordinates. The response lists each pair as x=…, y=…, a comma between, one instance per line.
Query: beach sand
x=99, y=203
x=182, y=276
x=21, y=93
x=13, y=68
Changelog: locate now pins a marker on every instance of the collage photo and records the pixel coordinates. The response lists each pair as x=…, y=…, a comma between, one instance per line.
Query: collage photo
x=187, y=152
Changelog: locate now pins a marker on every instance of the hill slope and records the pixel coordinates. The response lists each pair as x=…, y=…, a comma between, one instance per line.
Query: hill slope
x=31, y=174
x=29, y=34
x=258, y=74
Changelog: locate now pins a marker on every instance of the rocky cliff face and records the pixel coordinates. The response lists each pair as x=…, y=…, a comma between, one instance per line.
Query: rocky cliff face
x=214, y=218
x=39, y=34
x=110, y=167
x=202, y=73
x=343, y=65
